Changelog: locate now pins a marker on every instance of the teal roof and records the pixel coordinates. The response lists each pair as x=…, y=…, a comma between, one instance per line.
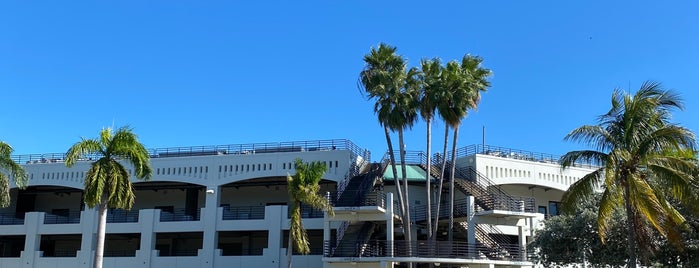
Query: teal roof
x=414, y=173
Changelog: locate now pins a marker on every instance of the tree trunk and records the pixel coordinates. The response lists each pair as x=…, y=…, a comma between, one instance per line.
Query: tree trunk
x=101, y=228
x=441, y=181
x=428, y=186
x=451, y=184
x=392, y=158
x=407, y=228
x=631, y=227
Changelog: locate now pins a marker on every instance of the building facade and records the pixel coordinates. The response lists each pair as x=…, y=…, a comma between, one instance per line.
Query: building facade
x=225, y=206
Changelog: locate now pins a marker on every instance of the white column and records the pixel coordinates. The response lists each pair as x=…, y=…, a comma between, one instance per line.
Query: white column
x=88, y=227
x=522, y=242
x=471, y=230
x=147, y=219
x=389, y=230
x=32, y=220
x=210, y=217
x=274, y=216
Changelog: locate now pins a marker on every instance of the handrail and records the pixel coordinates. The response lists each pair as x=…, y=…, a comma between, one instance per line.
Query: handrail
x=422, y=249
x=249, y=148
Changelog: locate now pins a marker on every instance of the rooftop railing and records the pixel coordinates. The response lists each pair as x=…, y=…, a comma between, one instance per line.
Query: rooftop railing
x=249, y=148
x=517, y=154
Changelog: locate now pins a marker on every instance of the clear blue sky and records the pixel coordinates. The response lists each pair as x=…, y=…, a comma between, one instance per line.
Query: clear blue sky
x=187, y=73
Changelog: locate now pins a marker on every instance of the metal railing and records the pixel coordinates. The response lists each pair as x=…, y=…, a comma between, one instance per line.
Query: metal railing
x=72, y=217
x=307, y=212
x=121, y=216
x=178, y=253
x=10, y=219
x=490, y=195
x=242, y=252
x=243, y=213
x=120, y=253
x=357, y=200
x=518, y=154
x=61, y=253
x=180, y=214
x=249, y=148
x=424, y=249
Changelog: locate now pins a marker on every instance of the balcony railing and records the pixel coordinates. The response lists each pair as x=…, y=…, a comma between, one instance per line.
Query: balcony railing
x=242, y=252
x=61, y=253
x=180, y=214
x=72, y=217
x=249, y=148
x=244, y=213
x=10, y=219
x=121, y=216
x=178, y=253
x=120, y=253
x=370, y=199
x=307, y=212
x=425, y=249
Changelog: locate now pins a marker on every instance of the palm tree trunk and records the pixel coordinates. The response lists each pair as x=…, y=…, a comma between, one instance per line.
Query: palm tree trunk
x=630, y=228
x=101, y=228
x=441, y=181
x=392, y=158
x=407, y=221
x=428, y=186
x=451, y=184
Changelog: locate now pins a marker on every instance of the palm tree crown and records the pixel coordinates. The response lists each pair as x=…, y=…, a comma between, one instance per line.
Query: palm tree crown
x=11, y=168
x=304, y=188
x=644, y=162
x=107, y=177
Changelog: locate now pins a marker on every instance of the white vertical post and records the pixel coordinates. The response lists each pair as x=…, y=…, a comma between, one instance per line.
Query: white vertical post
x=209, y=217
x=389, y=226
x=471, y=221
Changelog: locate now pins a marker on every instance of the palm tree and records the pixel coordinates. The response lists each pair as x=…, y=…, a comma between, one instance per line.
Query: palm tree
x=386, y=79
x=643, y=164
x=16, y=172
x=304, y=187
x=463, y=83
x=431, y=72
x=107, y=183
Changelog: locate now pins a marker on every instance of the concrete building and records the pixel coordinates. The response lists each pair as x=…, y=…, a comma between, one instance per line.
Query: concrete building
x=225, y=206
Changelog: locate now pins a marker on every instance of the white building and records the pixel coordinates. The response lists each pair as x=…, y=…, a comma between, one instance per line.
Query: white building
x=225, y=206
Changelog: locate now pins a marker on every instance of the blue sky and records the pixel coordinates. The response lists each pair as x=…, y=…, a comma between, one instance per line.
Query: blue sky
x=184, y=73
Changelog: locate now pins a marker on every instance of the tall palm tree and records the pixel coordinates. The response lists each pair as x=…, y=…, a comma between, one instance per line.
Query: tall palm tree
x=386, y=79
x=107, y=183
x=16, y=172
x=431, y=72
x=642, y=166
x=304, y=188
x=463, y=84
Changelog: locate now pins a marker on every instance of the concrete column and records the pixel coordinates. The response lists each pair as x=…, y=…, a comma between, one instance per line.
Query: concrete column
x=471, y=230
x=522, y=242
x=32, y=220
x=210, y=215
x=389, y=226
x=274, y=216
x=147, y=219
x=88, y=227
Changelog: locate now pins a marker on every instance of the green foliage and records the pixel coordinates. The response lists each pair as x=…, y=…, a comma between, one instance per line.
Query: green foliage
x=107, y=177
x=304, y=188
x=644, y=165
x=14, y=170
